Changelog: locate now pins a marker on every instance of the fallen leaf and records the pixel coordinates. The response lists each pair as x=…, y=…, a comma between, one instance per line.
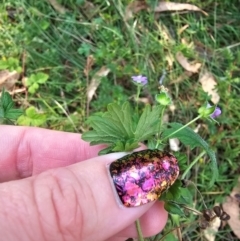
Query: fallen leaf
x=89, y=9
x=95, y=82
x=183, y=61
x=174, y=144
x=170, y=60
x=89, y=64
x=8, y=79
x=172, y=6
x=133, y=8
x=208, y=84
x=165, y=33
x=231, y=207
x=59, y=8
x=182, y=29
x=182, y=77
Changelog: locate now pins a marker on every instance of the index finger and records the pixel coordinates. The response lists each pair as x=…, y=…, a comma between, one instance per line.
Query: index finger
x=26, y=151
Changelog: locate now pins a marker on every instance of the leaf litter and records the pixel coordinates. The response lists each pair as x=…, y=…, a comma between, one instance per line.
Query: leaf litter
x=209, y=85
x=231, y=206
x=136, y=6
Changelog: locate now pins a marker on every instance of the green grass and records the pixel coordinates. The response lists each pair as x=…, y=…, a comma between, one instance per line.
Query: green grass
x=44, y=40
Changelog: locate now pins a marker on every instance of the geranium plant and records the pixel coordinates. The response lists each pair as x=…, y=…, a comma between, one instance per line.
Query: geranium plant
x=124, y=127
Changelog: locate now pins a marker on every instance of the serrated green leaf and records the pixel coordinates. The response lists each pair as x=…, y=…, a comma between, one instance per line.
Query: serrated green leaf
x=175, y=190
x=186, y=196
x=32, y=89
x=118, y=126
x=41, y=77
x=121, y=117
x=131, y=146
x=189, y=138
x=105, y=151
x=173, y=208
x=1, y=112
x=13, y=114
x=118, y=146
x=6, y=107
x=113, y=127
x=94, y=138
x=6, y=101
x=32, y=118
x=148, y=123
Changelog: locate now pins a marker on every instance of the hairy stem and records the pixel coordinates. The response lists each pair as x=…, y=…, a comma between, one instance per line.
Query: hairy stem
x=189, y=123
x=139, y=231
x=192, y=164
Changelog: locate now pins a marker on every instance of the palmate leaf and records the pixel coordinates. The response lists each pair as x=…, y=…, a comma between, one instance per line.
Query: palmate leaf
x=189, y=138
x=148, y=123
x=6, y=107
x=111, y=127
x=120, y=129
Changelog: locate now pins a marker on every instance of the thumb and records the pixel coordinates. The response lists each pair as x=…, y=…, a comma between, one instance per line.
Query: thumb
x=71, y=203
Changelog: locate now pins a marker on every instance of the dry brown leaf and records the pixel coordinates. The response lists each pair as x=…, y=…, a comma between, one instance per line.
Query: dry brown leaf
x=8, y=79
x=165, y=33
x=231, y=207
x=182, y=77
x=182, y=29
x=89, y=64
x=183, y=61
x=174, y=144
x=170, y=60
x=59, y=8
x=208, y=84
x=134, y=7
x=172, y=6
x=95, y=82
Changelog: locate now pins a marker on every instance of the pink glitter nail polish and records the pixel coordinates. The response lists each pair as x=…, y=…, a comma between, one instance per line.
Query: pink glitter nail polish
x=141, y=177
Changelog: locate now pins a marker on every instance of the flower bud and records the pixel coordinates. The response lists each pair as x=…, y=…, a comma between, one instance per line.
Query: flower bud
x=163, y=98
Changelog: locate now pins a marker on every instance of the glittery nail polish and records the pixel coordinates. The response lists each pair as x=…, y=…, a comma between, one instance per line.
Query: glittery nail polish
x=141, y=177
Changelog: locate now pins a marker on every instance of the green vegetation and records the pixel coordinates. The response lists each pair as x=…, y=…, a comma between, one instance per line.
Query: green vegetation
x=76, y=57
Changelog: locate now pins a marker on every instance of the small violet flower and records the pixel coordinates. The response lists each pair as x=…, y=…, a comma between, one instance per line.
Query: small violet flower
x=217, y=112
x=140, y=80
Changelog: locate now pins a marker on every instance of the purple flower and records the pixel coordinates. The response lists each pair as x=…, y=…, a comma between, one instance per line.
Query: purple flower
x=217, y=112
x=140, y=80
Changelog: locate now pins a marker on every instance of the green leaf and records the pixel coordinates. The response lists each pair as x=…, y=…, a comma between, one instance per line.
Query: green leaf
x=41, y=78
x=173, y=208
x=6, y=101
x=120, y=128
x=148, y=123
x=105, y=151
x=32, y=89
x=6, y=107
x=170, y=237
x=113, y=127
x=186, y=196
x=34, y=80
x=189, y=138
x=32, y=118
x=13, y=114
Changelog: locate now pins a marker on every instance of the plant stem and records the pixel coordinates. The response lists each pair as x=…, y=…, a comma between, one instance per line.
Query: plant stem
x=189, y=123
x=160, y=126
x=192, y=164
x=139, y=231
x=137, y=96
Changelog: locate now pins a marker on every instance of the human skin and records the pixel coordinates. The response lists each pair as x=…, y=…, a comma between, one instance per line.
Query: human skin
x=54, y=186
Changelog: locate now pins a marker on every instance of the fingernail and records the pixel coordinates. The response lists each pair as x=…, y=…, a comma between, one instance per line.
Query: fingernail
x=141, y=177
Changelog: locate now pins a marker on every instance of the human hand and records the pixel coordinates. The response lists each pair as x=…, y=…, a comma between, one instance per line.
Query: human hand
x=55, y=187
